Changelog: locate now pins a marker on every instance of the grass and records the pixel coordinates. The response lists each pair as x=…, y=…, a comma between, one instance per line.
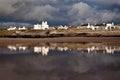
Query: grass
x=69, y=32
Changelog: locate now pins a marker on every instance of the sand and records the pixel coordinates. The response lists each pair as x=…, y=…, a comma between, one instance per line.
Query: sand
x=60, y=39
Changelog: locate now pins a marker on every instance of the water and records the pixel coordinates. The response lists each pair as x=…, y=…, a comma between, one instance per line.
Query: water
x=60, y=61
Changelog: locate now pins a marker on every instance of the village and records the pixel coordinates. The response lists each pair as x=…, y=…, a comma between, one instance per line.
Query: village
x=45, y=30
x=45, y=26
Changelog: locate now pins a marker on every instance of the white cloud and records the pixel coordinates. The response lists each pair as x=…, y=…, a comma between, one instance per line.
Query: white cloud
x=6, y=6
x=41, y=12
x=83, y=13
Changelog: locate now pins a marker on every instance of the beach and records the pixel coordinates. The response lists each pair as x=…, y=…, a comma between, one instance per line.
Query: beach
x=60, y=39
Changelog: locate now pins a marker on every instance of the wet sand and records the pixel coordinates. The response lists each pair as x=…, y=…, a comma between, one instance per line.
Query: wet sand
x=61, y=39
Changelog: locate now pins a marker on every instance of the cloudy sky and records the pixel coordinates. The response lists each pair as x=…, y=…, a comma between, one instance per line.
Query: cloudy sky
x=56, y=12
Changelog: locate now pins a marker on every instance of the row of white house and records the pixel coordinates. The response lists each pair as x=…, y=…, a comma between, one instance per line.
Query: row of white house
x=45, y=26
x=15, y=28
x=108, y=26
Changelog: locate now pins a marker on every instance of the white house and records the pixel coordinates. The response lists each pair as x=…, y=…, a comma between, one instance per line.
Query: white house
x=42, y=26
x=37, y=26
x=22, y=28
x=92, y=27
x=110, y=26
x=11, y=28
x=62, y=27
x=88, y=26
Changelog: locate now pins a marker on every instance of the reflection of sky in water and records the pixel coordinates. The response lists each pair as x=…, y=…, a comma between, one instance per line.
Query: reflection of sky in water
x=58, y=67
x=62, y=63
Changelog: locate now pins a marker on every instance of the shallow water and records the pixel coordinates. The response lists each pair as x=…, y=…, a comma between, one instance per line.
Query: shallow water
x=60, y=61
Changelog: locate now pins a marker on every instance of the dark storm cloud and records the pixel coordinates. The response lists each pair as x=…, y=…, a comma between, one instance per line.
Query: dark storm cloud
x=106, y=2
x=72, y=12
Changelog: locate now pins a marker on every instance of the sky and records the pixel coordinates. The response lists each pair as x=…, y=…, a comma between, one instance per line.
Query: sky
x=59, y=12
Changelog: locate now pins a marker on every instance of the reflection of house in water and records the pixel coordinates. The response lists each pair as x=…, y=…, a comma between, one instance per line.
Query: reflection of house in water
x=44, y=50
x=109, y=49
x=12, y=48
x=62, y=48
x=15, y=48
x=22, y=48
x=93, y=48
x=106, y=49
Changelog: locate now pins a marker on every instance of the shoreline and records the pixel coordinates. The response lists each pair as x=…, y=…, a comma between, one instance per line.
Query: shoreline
x=61, y=39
